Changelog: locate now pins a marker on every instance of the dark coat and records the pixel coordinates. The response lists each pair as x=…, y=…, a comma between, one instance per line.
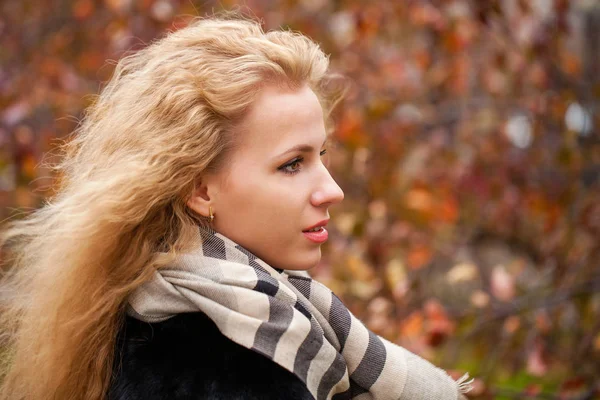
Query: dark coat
x=187, y=357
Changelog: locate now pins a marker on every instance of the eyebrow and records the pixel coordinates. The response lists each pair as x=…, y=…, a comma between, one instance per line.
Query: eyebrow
x=303, y=148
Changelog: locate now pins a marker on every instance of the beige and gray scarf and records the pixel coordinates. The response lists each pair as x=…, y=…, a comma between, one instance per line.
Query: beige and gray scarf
x=293, y=320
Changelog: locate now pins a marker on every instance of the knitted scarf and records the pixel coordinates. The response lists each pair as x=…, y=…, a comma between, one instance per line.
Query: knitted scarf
x=293, y=320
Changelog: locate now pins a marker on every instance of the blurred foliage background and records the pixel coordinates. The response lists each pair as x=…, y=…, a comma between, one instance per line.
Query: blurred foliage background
x=468, y=149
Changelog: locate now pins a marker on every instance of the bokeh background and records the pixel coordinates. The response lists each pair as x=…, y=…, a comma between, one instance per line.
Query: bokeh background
x=468, y=149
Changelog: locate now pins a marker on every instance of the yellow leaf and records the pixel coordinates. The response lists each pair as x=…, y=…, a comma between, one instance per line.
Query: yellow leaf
x=462, y=272
x=395, y=273
x=480, y=299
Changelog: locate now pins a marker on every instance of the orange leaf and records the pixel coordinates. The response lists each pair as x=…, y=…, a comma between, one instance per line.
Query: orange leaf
x=418, y=256
x=83, y=9
x=412, y=326
x=448, y=210
x=419, y=200
x=439, y=326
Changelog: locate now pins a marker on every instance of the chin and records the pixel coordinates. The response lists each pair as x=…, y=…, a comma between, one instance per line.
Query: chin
x=307, y=261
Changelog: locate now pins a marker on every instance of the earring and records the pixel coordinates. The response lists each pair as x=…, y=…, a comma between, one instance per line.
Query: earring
x=210, y=214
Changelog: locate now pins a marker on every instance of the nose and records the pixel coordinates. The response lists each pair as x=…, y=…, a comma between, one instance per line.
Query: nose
x=327, y=192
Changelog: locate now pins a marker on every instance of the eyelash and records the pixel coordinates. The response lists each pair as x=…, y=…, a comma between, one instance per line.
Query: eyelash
x=296, y=161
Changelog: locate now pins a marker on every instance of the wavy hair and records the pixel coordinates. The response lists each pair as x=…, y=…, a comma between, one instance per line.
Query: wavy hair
x=168, y=114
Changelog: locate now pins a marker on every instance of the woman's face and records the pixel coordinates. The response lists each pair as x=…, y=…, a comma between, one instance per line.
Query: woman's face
x=275, y=185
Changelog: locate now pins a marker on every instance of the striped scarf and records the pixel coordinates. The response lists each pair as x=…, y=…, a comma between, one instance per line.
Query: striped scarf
x=291, y=319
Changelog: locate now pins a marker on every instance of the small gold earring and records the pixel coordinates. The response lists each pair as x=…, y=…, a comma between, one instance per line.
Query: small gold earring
x=210, y=214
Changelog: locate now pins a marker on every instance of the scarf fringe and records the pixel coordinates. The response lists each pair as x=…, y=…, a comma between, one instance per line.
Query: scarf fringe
x=465, y=385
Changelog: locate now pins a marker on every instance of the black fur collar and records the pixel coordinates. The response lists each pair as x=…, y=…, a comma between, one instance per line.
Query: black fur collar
x=186, y=357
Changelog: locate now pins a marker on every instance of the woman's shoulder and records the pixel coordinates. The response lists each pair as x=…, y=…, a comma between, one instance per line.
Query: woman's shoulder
x=187, y=357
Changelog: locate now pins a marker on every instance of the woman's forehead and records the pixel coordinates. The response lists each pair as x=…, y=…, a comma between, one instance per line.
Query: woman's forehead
x=281, y=118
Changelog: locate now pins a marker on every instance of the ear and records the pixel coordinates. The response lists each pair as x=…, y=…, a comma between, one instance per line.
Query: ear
x=200, y=198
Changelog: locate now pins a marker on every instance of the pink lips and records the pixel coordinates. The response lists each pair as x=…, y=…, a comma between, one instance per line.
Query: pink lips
x=318, y=236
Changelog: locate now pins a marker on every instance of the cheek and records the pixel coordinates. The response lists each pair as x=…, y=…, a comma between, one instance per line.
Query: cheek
x=275, y=203
x=252, y=196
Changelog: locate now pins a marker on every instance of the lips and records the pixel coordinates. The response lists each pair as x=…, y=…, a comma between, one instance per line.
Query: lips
x=320, y=223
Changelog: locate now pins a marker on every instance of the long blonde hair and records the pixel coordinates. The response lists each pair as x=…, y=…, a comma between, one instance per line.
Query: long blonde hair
x=168, y=115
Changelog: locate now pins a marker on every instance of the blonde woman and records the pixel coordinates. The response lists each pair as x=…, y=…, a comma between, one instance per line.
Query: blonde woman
x=171, y=263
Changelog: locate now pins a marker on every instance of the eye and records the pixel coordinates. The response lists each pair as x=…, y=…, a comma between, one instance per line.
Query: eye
x=326, y=158
x=293, y=167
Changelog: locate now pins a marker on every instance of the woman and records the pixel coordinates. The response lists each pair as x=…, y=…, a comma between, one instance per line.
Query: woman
x=171, y=262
